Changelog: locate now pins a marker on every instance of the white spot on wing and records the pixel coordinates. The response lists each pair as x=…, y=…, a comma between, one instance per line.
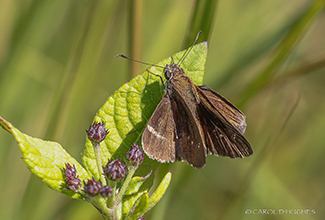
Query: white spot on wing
x=154, y=132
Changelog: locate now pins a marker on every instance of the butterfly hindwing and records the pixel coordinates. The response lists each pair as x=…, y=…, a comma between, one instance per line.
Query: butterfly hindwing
x=223, y=136
x=155, y=136
x=188, y=141
x=234, y=116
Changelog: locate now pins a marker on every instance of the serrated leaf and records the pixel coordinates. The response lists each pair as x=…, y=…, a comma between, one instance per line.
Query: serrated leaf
x=141, y=207
x=127, y=111
x=156, y=196
x=46, y=159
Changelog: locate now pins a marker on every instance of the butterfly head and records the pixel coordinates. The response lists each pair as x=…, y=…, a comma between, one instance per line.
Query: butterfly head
x=172, y=70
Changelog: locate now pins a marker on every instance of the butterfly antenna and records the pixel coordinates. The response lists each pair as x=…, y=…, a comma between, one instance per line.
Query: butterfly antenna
x=197, y=37
x=172, y=59
x=138, y=61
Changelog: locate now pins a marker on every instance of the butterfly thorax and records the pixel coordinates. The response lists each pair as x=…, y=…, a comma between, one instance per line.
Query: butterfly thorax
x=179, y=85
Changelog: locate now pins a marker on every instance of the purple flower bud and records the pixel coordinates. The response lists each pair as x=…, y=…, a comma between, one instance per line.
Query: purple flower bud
x=141, y=218
x=72, y=181
x=92, y=187
x=115, y=170
x=135, y=155
x=97, y=132
x=106, y=191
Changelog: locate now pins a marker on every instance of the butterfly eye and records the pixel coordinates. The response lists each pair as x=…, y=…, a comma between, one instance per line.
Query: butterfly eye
x=168, y=72
x=168, y=75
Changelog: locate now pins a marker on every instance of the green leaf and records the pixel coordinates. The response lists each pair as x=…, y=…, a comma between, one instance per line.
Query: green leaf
x=128, y=203
x=132, y=193
x=46, y=159
x=128, y=110
x=135, y=184
x=156, y=196
x=141, y=206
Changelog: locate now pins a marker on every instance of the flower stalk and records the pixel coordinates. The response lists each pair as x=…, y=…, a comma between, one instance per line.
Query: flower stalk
x=99, y=163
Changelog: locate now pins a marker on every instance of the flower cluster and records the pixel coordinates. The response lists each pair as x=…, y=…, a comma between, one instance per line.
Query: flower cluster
x=106, y=191
x=94, y=187
x=135, y=155
x=113, y=180
x=115, y=170
x=72, y=180
x=97, y=132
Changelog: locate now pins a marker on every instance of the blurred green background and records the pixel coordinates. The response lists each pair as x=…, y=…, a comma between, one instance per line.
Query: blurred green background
x=57, y=68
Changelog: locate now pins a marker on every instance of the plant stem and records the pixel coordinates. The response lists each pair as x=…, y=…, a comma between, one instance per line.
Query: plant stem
x=126, y=183
x=99, y=164
x=111, y=200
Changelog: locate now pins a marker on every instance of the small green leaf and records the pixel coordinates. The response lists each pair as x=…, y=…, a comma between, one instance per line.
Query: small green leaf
x=141, y=206
x=156, y=196
x=46, y=159
x=128, y=203
x=128, y=110
x=135, y=184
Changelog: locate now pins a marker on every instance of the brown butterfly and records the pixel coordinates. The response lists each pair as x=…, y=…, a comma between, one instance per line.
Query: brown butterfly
x=192, y=121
